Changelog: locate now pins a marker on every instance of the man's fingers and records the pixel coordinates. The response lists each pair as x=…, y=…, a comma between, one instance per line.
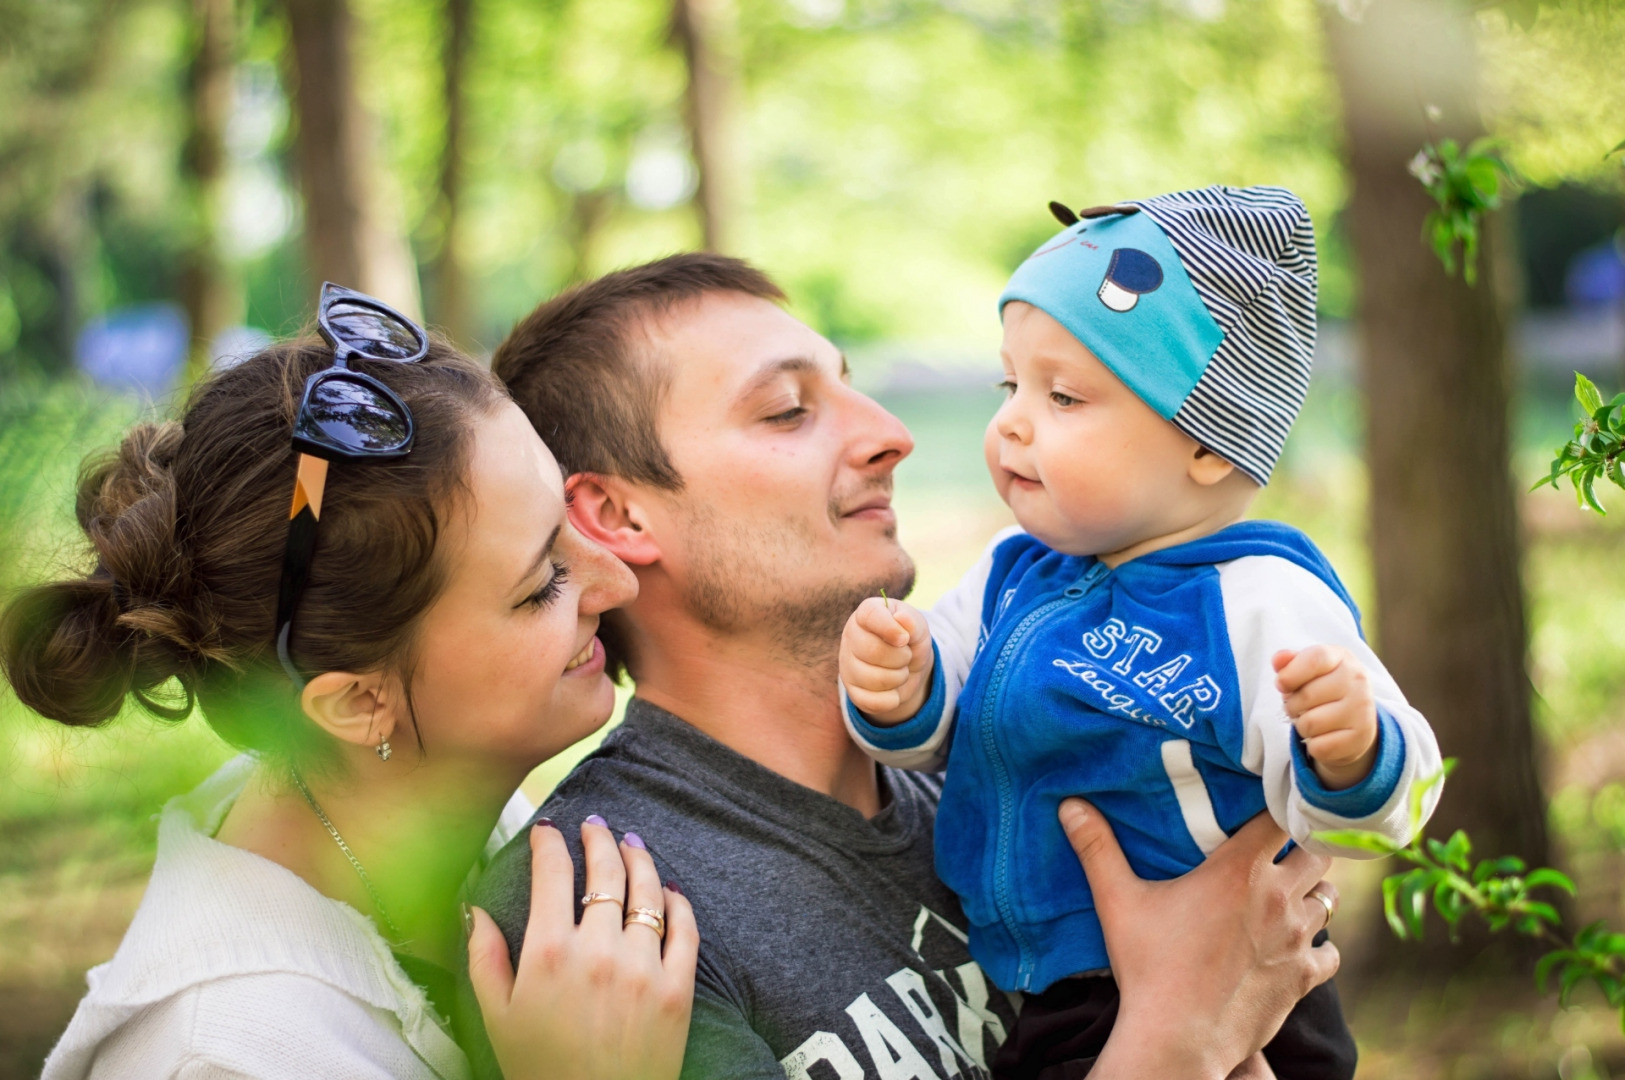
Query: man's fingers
x=606, y=875
x=489, y=968
x=1303, y=868
x=1096, y=845
x=1324, y=960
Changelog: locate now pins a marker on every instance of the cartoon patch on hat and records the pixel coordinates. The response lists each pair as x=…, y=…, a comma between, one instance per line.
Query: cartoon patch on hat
x=1132, y=274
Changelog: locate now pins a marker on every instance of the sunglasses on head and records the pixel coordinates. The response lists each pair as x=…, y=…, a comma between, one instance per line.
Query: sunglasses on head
x=344, y=415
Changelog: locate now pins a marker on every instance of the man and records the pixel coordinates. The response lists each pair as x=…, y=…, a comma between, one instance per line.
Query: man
x=716, y=447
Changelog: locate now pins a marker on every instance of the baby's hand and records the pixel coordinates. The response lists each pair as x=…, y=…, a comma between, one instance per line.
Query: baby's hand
x=886, y=660
x=1330, y=702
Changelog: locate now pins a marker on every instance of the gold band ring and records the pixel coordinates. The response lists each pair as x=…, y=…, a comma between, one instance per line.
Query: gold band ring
x=646, y=917
x=600, y=898
x=1330, y=904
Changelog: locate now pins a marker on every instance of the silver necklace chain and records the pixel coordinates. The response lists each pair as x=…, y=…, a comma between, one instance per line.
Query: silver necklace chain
x=395, y=935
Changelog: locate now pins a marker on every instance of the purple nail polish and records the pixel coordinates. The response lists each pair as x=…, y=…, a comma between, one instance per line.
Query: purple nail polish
x=674, y=887
x=634, y=840
x=545, y=823
x=594, y=819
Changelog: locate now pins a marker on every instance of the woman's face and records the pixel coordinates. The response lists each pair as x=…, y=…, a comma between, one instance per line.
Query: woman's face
x=507, y=662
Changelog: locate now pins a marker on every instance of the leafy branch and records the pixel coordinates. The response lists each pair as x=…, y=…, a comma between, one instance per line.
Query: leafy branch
x=1596, y=449
x=1465, y=185
x=1498, y=891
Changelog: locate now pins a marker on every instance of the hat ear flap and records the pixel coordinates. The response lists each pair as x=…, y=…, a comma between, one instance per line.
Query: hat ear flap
x=1062, y=214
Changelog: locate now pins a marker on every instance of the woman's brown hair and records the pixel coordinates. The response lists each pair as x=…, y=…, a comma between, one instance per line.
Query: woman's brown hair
x=187, y=522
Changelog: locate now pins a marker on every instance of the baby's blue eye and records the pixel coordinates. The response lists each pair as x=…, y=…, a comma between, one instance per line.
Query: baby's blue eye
x=1008, y=386
x=1063, y=400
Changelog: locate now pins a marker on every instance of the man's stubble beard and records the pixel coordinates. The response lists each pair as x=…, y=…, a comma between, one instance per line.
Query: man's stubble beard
x=737, y=583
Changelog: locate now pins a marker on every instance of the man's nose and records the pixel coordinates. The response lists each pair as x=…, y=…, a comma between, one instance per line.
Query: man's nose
x=878, y=437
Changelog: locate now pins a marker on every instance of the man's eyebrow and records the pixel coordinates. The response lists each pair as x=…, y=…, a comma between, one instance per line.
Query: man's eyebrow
x=790, y=365
x=541, y=556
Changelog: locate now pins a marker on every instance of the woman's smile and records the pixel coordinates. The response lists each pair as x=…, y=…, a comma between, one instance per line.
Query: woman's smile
x=590, y=658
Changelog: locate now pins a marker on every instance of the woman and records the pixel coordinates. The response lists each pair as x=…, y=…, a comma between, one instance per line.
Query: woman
x=392, y=671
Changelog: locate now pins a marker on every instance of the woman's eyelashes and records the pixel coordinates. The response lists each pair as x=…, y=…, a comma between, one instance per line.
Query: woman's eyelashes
x=788, y=416
x=550, y=589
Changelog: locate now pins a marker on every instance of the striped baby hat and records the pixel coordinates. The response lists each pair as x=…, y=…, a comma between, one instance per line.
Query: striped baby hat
x=1202, y=302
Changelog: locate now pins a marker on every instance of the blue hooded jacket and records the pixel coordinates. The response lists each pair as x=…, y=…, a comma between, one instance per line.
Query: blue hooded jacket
x=1147, y=689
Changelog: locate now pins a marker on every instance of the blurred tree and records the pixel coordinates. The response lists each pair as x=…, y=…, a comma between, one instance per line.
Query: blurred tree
x=351, y=235
x=706, y=32
x=448, y=296
x=209, y=290
x=1444, y=523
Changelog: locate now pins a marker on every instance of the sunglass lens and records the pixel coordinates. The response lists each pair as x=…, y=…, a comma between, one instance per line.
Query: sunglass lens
x=371, y=332
x=350, y=414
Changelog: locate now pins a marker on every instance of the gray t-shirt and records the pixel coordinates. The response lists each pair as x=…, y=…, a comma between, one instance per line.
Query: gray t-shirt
x=829, y=949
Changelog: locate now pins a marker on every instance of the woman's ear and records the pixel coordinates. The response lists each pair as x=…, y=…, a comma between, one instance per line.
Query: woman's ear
x=358, y=709
x=609, y=512
x=1208, y=468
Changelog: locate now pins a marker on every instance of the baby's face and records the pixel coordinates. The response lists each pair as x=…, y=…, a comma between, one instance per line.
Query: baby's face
x=1088, y=467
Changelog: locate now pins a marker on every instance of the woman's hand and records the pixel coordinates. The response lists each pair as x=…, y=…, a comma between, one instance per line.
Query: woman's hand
x=597, y=1001
x=1209, y=964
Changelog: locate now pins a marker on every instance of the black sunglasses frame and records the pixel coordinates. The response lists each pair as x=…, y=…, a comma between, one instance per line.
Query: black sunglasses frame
x=317, y=449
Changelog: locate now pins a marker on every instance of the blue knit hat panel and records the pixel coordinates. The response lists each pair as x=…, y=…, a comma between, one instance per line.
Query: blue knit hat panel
x=1245, y=257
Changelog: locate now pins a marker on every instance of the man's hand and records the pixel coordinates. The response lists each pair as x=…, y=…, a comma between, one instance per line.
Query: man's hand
x=886, y=660
x=1209, y=964
x=1329, y=699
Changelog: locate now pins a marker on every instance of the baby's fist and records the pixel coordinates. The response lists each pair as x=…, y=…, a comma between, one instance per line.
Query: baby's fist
x=1328, y=696
x=886, y=659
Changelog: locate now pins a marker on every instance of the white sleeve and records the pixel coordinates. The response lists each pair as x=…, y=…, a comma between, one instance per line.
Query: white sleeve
x=1271, y=604
x=956, y=625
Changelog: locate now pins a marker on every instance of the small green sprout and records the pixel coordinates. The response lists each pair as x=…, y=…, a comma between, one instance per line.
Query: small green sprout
x=1596, y=449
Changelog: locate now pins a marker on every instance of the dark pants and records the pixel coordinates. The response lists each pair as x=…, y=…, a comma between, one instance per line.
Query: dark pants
x=1061, y=1031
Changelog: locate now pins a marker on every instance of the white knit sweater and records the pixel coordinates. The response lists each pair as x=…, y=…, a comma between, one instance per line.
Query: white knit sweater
x=235, y=967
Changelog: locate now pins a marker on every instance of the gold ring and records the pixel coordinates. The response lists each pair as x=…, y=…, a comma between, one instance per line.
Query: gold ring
x=599, y=898
x=1330, y=904
x=646, y=917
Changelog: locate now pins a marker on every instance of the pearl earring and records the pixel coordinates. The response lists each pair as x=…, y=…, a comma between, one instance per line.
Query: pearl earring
x=383, y=750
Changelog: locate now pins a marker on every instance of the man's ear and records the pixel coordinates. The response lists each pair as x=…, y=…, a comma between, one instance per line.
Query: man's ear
x=358, y=709
x=610, y=512
x=1208, y=468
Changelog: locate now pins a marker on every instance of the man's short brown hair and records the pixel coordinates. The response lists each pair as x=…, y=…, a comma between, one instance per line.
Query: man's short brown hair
x=574, y=367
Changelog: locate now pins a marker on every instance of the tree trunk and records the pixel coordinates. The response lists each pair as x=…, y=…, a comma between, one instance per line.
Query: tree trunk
x=1444, y=524
x=213, y=300
x=352, y=235
x=705, y=31
x=450, y=307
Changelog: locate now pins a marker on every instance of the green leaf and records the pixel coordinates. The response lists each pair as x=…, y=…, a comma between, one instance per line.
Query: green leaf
x=1390, y=904
x=1358, y=839
x=1542, y=910
x=1543, y=970
x=1585, y=391
x=1615, y=150
x=1547, y=876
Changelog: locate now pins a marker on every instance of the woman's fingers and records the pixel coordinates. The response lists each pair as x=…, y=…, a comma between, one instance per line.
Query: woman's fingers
x=682, y=939
x=643, y=892
x=606, y=875
x=552, y=881
x=489, y=968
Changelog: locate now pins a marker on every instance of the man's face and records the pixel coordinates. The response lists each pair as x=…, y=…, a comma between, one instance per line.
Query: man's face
x=784, y=523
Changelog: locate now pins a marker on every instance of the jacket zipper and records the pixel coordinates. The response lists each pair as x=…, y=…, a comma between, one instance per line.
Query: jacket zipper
x=1002, y=861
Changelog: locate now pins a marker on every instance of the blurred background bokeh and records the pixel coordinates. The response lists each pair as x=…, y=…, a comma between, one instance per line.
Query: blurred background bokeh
x=178, y=176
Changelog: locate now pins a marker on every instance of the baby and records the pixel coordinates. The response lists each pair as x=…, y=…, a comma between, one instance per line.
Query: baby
x=1135, y=641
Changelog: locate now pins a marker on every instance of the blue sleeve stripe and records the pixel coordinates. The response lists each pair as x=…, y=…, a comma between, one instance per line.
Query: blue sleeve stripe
x=1370, y=794
x=912, y=733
